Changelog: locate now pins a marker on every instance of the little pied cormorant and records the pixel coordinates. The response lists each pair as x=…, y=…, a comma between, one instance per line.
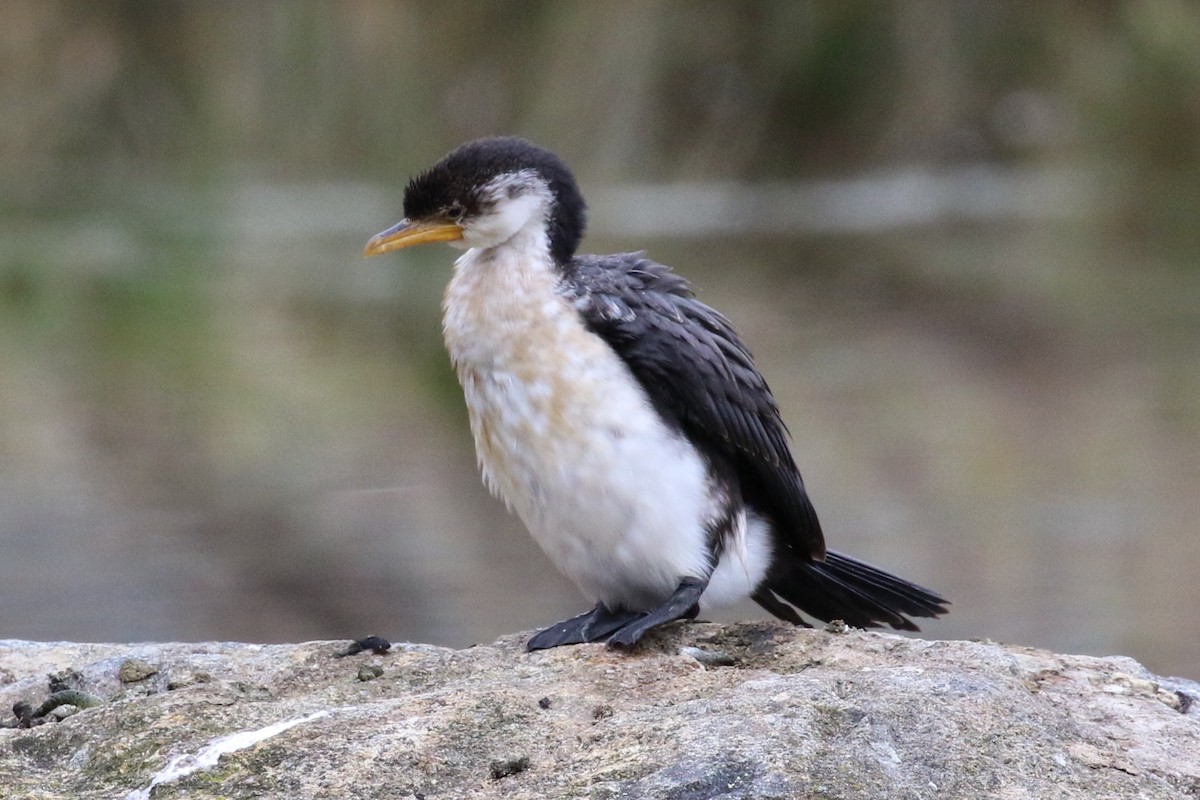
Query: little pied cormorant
x=621, y=418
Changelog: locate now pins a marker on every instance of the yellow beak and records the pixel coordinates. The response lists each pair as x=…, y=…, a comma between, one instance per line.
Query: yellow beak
x=407, y=233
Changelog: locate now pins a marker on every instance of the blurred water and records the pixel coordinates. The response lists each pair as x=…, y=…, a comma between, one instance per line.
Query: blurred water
x=217, y=421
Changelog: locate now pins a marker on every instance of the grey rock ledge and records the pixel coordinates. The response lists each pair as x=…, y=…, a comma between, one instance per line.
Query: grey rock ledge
x=774, y=712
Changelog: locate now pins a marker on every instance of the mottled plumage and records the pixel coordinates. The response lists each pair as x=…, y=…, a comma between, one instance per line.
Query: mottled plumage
x=621, y=418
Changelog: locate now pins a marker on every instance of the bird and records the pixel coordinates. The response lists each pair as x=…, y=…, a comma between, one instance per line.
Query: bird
x=622, y=419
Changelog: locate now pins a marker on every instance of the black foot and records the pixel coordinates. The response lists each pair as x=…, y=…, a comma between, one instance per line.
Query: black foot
x=594, y=626
x=684, y=604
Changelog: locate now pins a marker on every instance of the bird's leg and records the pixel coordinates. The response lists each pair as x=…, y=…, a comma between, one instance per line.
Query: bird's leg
x=683, y=604
x=594, y=626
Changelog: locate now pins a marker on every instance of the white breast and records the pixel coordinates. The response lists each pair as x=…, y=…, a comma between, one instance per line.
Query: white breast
x=568, y=439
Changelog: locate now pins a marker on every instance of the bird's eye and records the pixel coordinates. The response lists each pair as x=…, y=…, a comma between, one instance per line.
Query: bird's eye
x=455, y=211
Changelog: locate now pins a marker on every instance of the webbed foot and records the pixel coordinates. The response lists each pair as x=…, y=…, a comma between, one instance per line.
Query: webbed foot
x=594, y=626
x=683, y=604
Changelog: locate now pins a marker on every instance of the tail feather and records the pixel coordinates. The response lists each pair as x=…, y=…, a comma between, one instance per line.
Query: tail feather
x=915, y=599
x=841, y=587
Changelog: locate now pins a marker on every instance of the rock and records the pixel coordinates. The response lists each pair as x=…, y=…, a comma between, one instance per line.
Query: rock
x=133, y=670
x=782, y=713
x=369, y=672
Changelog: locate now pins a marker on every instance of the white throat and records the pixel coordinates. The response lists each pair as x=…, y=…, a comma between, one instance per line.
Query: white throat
x=519, y=206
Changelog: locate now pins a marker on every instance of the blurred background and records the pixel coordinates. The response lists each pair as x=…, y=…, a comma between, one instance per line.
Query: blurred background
x=961, y=238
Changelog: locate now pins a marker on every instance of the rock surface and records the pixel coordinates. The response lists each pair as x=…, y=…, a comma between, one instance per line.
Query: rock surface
x=757, y=710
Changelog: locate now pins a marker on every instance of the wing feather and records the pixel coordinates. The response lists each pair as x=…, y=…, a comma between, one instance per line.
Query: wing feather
x=701, y=377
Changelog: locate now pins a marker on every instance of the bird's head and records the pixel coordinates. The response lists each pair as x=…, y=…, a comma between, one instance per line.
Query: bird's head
x=483, y=194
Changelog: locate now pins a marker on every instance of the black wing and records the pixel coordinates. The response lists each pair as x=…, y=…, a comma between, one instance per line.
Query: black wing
x=700, y=377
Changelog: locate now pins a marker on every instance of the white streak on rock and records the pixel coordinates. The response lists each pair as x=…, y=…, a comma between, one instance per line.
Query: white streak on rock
x=183, y=765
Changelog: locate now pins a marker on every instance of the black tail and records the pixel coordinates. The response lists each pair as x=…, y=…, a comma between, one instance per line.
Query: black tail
x=844, y=588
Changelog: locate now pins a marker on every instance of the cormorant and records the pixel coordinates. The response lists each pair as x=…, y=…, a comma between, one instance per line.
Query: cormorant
x=621, y=418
